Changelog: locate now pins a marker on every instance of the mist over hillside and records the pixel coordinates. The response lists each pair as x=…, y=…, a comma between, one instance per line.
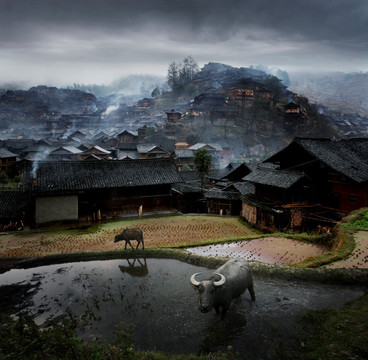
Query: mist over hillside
x=344, y=92
x=248, y=110
x=132, y=87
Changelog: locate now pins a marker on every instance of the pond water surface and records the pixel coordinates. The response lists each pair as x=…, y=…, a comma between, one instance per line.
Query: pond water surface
x=155, y=295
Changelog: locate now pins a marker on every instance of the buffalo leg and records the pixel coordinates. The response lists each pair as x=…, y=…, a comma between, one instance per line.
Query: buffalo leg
x=252, y=294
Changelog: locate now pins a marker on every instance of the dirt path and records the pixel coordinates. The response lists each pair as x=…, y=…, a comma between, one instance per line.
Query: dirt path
x=359, y=257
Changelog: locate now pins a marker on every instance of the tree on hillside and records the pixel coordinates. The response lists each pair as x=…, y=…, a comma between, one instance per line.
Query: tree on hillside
x=155, y=92
x=173, y=75
x=274, y=83
x=202, y=163
x=188, y=69
x=180, y=75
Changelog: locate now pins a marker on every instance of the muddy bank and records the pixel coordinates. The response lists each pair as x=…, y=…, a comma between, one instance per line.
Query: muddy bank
x=324, y=275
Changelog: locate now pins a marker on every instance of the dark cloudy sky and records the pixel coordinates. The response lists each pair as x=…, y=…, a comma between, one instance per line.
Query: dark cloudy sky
x=96, y=41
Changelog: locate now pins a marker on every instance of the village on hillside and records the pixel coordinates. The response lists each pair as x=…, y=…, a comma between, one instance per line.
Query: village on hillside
x=276, y=161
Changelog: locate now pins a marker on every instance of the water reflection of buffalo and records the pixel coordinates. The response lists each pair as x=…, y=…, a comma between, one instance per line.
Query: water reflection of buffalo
x=140, y=270
x=130, y=234
x=226, y=283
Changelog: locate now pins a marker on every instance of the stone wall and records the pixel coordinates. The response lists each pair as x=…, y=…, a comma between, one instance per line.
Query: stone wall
x=56, y=208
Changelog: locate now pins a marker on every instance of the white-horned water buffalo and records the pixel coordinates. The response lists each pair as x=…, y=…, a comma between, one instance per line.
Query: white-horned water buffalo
x=226, y=283
x=130, y=234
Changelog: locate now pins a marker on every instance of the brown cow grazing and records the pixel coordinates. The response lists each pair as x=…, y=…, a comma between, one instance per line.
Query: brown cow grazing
x=130, y=234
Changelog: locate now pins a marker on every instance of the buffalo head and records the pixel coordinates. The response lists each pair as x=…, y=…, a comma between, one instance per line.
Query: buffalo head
x=207, y=290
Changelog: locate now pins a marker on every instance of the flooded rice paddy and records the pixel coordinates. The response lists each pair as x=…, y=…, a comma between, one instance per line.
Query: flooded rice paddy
x=272, y=250
x=155, y=295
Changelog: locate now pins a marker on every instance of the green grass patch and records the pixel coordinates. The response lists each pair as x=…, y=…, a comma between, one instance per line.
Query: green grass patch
x=332, y=334
x=341, y=243
x=22, y=339
x=359, y=219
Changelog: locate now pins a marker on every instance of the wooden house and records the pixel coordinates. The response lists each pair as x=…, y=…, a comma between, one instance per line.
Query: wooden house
x=142, y=131
x=145, y=103
x=244, y=89
x=16, y=146
x=339, y=169
x=97, y=152
x=215, y=150
x=183, y=158
x=128, y=137
x=213, y=104
x=265, y=93
x=231, y=173
x=65, y=153
x=8, y=162
x=77, y=134
x=181, y=145
x=173, y=116
x=127, y=151
x=292, y=109
x=149, y=151
x=311, y=181
x=228, y=201
x=274, y=188
x=189, y=193
x=14, y=209
x=91, y=190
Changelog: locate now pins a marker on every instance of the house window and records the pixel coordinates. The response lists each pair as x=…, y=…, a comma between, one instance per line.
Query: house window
x=352, y=199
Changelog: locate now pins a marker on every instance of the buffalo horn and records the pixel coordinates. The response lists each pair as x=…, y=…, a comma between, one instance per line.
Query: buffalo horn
x=221, y=281
x=193, y=281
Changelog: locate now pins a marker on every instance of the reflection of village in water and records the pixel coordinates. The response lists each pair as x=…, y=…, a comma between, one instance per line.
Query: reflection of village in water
x=155, y=295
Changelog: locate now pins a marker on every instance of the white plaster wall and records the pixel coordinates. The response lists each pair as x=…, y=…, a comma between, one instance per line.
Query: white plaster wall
x=56, y=208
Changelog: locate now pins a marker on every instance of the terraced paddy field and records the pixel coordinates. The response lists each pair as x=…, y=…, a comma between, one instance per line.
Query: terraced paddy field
x=158, y=232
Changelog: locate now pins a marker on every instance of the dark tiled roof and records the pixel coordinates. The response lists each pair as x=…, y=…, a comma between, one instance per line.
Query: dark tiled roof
x=4, y=153
x=230, y=171
x=187, y=188
x=146, y=148
x=76, y=176
x=222, y=194
x=244, y=187
x=184, y=153
x=190, y=176
x=127, y=146
x=12, y=204
x=278, y=178
x=348, y=157
x=233, y=192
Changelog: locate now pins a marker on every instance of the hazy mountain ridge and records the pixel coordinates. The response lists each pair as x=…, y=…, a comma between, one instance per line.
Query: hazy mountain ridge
x=344, y=92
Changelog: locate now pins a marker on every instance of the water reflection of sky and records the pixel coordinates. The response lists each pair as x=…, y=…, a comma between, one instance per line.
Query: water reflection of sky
x=156, y=296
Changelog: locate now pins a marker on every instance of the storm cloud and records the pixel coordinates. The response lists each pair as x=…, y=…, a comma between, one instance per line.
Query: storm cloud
x=90, y=41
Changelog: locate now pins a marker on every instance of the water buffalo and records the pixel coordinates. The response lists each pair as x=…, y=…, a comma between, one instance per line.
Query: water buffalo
x=226, y=283
x=130, y=234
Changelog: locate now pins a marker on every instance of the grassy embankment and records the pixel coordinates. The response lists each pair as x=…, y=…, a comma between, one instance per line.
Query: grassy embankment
x=337, y=334
x=341, y=243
